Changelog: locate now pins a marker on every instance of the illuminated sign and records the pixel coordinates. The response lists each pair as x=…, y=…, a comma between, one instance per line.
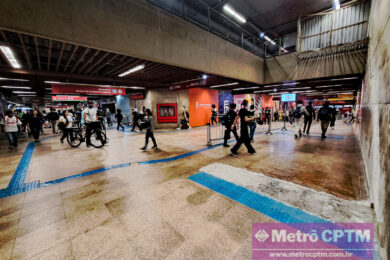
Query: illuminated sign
x=288, y=97
x=69, y=98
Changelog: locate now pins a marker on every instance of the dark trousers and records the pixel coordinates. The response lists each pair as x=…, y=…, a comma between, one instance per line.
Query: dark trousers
x=307, y=124
x=332, y=122
x=213, y=119
x=12, y=138
x=53, y=125
x=119, y=125
x=65, y=133
x=227, y=134
x=149, y=134
x=324, y=126
x=90, y=127
x=135, y=124
x=267, y=119
x=244, y=139
x=109, y=121
x=35, y=132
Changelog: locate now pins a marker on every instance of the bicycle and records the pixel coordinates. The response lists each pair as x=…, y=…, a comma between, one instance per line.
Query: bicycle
x=77, y=135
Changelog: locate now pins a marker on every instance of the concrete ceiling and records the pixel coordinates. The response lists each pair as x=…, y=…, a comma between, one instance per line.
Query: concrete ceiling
x=270, y=14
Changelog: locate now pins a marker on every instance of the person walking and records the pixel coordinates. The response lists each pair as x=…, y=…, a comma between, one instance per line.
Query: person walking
x=108, y=117
x=90, y=118
x=134, y=119
x=213, y=114
x=64, y=123
x=267, y=115
x=276, y=116
x=309, y=118
x=10, y=124
x=333, y=119
x=325, y=115
x=243, y=115
x=53, y=117
x=149, y=129
x=253, y=113
x=119, y=118
x=298, y=114
x=35, y=124
x=290, y=116
x=229, y=120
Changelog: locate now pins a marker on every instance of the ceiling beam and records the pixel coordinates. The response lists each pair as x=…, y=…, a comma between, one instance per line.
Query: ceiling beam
x=60, y=56
x=49, y=55
x=80, y=59
x=119, y=66
x=26, y=55
x=66, y=77
x=88, y=61
x=4, y=35
x=71, y=57
x=97, y=62
x=37, y=52
x=98, y=68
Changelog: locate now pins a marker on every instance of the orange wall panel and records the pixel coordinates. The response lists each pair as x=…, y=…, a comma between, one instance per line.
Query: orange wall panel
x=200, y=105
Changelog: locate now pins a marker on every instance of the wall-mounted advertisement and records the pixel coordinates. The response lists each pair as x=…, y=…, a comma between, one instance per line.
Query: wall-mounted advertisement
x=167, y=113
x=288, y=97
x=69, y=98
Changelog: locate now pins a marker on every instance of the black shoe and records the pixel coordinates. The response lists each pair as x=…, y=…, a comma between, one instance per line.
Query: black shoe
x=307, y=133
x=296, y=136
x=233, y=154
x=323, y=136
x=62, y=141
x=154, y=147
x=225, y=145
x=252, y=152
x=143, y=148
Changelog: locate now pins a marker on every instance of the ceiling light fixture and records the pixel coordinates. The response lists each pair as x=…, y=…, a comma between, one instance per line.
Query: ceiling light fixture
x=234, y=13
x=15, y=87
x=9, y=55
x=30, y=95
x=24, y=92
x=224, y=85
x=204, y=76
x=139, y=67
x=270, y=86
x=14, y=79
x=269, y=40
x=245, y=88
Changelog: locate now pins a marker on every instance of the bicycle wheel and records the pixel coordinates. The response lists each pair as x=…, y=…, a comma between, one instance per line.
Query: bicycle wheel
x=96, y=140
x=74, y=139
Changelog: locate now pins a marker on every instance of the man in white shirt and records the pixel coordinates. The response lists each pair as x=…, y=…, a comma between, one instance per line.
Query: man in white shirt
x=10, y=124
x=90, y=117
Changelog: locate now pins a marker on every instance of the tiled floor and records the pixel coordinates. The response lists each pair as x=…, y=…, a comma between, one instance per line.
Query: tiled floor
x=154, y=211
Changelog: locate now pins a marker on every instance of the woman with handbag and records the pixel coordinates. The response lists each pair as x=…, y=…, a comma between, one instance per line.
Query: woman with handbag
x=65, y=122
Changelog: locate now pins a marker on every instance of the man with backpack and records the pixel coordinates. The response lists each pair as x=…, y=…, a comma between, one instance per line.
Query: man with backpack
x=228, y=121
x=298, y=114
x=325, y=115
x=53, y=117
x=309, y=118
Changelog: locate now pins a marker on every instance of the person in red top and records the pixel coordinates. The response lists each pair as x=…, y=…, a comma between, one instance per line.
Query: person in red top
x=11, y=124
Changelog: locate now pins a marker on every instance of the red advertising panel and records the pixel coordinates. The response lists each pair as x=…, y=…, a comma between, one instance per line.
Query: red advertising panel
x=87, y=90
x=167, y=113
x=69, y=98
x=137, y=96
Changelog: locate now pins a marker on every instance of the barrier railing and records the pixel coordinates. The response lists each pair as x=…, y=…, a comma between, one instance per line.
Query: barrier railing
x=215, y=131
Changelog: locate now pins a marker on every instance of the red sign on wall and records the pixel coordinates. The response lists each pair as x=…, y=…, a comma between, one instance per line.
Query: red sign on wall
x=137, y=96
x=87, y=90
x=167, y=113
x=189, y=84
x=69, y=98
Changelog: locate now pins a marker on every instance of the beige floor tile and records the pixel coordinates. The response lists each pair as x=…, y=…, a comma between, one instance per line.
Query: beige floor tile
x=108, y=239
x=36, y=242
x=61, y=251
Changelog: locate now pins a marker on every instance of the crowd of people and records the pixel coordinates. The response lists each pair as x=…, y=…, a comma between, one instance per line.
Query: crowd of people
x=31, y=123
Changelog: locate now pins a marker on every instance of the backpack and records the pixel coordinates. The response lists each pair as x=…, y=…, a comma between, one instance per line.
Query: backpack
x=187, y=115
x=297, y=112
x=227, y=120
x=323, y=114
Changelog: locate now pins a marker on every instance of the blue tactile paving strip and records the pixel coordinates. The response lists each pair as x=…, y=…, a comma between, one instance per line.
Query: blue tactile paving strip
x=267, y=206
x=21, y=171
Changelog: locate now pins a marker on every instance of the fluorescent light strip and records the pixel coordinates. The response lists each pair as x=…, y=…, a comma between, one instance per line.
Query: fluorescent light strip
x=269, y=40
x=27, y=95
x=270, y=86
x=15, y=87
x=24, y=92
x=262, y=91
x=223, y=85
x=139, y=67
x=299, y=88
x=234, y=13
x=245, y=88
x=86, y=84
x=10, y=57
x=14, y=79
x=344, y=78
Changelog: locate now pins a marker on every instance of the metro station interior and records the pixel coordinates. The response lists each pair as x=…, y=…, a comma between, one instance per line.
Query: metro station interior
x=121, y=123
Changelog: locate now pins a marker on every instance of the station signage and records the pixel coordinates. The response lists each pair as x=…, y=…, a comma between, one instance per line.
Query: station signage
x=69, y=98
x=188, y=84
x=87, y=90
x=137, y=96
